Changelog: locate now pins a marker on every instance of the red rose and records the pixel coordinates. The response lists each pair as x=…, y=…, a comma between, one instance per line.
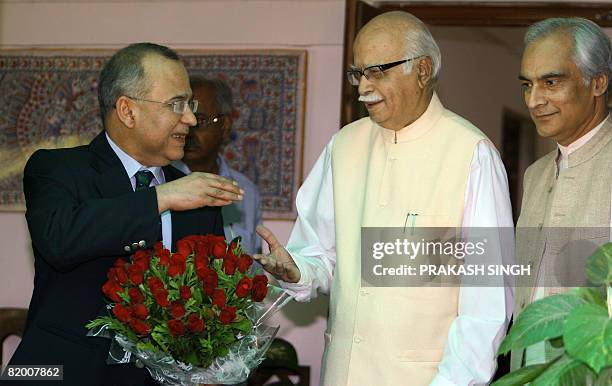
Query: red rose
x=210, y=281
x=229, y=264
x=202, y=249
x=185, y=246
x=155, y=283
x=117, y=274
x=260, y=279
x=164, y=257
x=161, y=297
x=218, y=297
x=140, y=327
x=195, y=323
x=122, y=313
x=158, y=246
x=228, y=314
x=200, y=262
x=259, y=292
x=111, y=289
x=244, y=287
x=135, y=295
x=177, y=264
x=177, y=310
x=233, y=245
x=218, y=249
x=139, y=311
x=244, y=263
x=141, y=258
x=136, y=273
x=119, y=263
x=176, y=327
x=185, y=292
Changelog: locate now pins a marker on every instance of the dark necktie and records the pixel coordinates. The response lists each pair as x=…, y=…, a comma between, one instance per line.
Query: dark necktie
x=143, y=179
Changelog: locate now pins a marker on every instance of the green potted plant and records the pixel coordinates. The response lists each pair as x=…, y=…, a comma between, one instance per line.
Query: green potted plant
x=580, y=322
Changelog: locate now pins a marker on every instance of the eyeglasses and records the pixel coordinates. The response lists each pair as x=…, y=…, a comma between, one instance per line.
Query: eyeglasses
x=375, y=72
x=178, y=106
x=208, y=121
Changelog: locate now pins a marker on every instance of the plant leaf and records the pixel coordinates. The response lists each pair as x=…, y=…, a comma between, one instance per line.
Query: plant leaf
x=563, y=372
x=605, y=378
x=592, y=295
x=521, y=376
x=588, y=336
x=541, y=320
x=599, y=265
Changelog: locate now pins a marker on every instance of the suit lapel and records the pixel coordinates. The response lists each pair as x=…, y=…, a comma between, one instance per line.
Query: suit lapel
x=112, y=180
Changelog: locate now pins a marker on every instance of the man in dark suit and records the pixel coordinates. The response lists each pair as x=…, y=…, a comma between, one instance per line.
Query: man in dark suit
x=88, y=205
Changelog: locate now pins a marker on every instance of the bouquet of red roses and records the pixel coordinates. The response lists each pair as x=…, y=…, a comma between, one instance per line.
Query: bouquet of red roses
x=193, y=316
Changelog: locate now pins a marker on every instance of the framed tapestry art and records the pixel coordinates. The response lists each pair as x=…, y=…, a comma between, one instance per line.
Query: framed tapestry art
x=48, y=99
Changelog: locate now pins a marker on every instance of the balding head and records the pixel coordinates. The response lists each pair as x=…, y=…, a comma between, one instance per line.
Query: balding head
x=408, y=32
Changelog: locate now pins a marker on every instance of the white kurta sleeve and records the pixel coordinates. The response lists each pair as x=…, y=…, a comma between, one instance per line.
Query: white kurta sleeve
x=312, y=243
x=484, y=312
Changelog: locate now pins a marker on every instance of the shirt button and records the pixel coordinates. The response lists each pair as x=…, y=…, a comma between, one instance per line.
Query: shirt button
x=135, y=246
x=127, y=248
x=357, y=339
x=142, y=243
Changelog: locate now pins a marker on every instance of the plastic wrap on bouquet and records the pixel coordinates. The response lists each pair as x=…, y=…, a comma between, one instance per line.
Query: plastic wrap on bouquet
x=234, y=367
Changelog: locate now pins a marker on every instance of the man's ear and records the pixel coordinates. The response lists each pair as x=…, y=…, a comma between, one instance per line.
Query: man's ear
x=125, y=111
x=227, y=126
x=424, y=68
x=599, y=84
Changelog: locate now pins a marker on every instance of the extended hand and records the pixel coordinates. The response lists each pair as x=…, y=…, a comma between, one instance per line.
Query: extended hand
x=278, y=262
x=197, y=190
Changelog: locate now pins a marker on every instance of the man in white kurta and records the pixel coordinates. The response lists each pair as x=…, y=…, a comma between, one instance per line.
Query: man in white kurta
x=411, y=156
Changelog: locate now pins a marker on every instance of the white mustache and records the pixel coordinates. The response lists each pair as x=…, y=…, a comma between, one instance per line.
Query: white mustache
x=370, y=98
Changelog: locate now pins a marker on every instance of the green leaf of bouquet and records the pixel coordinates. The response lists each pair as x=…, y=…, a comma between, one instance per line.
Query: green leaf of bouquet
x=592, y=295
x=541, y=320
x=243, y=325
x=599, y=265
x=564, y=371
x=521, y=376
x=588, y=336
x=604, y=378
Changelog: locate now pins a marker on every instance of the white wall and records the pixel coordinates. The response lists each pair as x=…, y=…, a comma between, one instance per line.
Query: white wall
x=316, y=26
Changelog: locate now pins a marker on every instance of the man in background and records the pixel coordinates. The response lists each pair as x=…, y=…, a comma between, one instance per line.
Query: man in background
x=203, y=154
x=565, y=75
x=411, y=161
x=90, y=204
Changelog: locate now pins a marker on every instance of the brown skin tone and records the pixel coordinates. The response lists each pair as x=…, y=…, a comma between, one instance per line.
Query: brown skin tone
x=203, y=143
x=405, y=98
x=154, y=135
x=561, y=105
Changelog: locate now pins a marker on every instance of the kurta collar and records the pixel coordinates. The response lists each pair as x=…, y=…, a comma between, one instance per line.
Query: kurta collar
x=416, y=129
x=593, y=146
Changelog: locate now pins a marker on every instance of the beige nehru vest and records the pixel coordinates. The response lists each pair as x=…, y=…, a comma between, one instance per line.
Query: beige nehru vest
x=393, y=336
x=580, y=197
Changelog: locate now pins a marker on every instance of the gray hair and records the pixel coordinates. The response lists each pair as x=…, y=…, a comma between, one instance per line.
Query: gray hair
x=223, y=93
x=420, y=42
x=124, y=74
x=592, y=50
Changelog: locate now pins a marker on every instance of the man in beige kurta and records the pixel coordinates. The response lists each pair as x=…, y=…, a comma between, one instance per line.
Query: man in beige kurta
x=411, y=158
x=565, y=75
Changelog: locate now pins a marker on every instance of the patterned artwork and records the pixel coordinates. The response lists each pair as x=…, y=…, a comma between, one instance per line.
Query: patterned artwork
x=48, y=99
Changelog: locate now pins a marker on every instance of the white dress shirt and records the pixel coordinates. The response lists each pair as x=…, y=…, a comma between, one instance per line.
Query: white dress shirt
x=132, y=166
x=476, y=333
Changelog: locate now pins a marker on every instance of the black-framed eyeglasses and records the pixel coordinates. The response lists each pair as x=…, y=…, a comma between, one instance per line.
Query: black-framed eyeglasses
x=375, y=72
x=207, y=121
x=178, y=106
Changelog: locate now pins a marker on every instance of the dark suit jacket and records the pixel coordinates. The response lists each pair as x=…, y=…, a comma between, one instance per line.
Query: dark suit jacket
x=81, y=213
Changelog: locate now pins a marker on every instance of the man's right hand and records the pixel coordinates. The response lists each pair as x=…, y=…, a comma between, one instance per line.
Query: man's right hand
x=197, y=190
x=278, y=262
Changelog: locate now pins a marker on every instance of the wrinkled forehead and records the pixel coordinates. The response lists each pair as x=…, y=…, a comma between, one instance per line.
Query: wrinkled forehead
x=550, y=54
x=378, y=46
